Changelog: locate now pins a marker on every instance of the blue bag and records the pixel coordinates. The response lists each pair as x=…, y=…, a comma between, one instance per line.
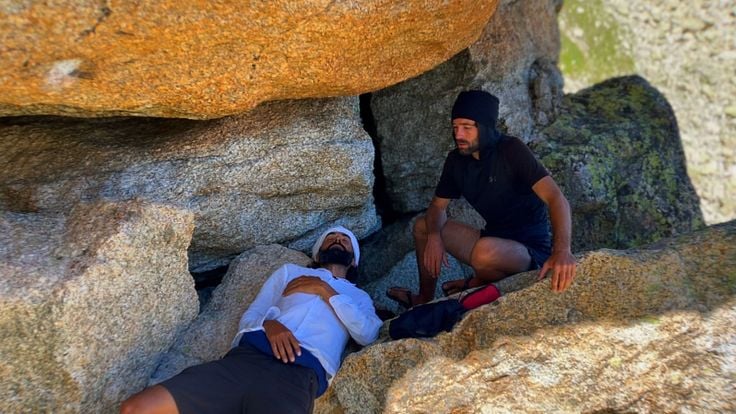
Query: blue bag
x=427, y=320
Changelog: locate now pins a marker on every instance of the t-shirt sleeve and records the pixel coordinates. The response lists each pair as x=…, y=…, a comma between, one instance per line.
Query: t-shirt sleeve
x=527, y=168
x=448, y=187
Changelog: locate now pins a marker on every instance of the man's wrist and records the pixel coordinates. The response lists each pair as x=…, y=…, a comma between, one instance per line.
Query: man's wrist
x=327, y=293
x=433, y=235
x=561, y=245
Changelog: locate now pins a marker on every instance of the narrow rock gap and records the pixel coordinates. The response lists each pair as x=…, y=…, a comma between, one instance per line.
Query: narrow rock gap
x=380, y=195
x=206, y=282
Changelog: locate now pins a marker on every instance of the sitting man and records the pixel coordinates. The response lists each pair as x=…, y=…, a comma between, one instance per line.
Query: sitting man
x=503, y=181
x=289, y=343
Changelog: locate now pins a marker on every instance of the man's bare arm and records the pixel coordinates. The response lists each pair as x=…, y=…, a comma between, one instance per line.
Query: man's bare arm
x=310, y=284
x=561, y=261
x=359, y=317
x=283, y=342
x=435, y=219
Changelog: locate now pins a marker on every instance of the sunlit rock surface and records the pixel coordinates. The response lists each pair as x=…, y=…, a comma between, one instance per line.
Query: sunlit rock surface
x=279, y=174
x=89, y=302
x=648, y=330
x=206, y=60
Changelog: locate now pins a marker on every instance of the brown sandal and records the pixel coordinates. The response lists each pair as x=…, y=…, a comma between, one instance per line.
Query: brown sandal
x=406, y=300
x=450, y=288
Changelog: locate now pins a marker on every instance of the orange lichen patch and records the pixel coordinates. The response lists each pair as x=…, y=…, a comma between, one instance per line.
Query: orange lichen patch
x=197, y=59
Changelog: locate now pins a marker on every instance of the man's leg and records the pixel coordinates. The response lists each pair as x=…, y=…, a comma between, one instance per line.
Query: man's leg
x=459, y=240
x=283, y=389
x=213, y=387
x=493, y=258
x=152, y=400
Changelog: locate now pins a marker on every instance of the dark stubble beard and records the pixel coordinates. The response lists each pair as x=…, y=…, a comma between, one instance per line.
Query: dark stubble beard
x=336, y=256
x=469, y=150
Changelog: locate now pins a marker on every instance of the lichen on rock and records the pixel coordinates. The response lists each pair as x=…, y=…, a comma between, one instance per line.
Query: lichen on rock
x=615, y=151
x=186, y=60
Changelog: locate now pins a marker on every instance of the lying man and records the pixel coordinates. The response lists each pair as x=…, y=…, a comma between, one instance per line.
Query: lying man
x=289, y=343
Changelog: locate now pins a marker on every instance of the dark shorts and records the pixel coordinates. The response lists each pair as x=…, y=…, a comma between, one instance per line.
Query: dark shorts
x=538, y=245
x=244, y=381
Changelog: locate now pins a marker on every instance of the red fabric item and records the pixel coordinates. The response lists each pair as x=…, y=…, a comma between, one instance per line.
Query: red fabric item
x=480, y=297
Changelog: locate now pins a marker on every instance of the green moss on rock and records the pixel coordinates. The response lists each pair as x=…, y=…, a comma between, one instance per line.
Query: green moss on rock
x=615, y=150
x=593, y=43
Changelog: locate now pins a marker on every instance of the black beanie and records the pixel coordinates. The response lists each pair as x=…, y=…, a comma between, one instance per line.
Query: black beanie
x=480, y=106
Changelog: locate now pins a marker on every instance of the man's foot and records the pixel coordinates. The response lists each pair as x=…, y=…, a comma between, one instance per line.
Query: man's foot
x=403, y=296
x=455, y=286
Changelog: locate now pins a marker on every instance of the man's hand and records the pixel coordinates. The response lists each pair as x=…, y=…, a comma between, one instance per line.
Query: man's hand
x=435, y=255
x=310, y=284
x=283, y=343
x=562, y=264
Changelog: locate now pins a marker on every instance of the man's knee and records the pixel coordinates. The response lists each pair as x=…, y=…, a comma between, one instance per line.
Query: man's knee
x=484, y=254
x=151, y=400
x=130, y=406
x=499, y=255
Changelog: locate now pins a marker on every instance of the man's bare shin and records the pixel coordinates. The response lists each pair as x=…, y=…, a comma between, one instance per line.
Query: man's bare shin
x=427, y=283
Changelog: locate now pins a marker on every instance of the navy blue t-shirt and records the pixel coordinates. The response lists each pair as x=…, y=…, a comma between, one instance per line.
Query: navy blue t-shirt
x=499, y=187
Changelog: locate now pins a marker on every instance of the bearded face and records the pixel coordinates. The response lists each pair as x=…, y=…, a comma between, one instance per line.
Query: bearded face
x=465, y=132
x=336, y=256
x=336, y=249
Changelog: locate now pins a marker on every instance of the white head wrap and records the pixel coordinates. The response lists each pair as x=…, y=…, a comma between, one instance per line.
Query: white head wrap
x=336, y=229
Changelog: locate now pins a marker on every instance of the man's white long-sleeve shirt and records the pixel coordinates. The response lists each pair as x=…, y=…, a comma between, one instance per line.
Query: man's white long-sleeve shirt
x=321, y=328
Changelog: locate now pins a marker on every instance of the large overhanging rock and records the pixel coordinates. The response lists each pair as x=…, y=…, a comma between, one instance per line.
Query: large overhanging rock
x=210, y=335
x=89, y=303
x=278, y=174
x=514, y=58
x=647, y=330
x=615, y=150
x=197, y=60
